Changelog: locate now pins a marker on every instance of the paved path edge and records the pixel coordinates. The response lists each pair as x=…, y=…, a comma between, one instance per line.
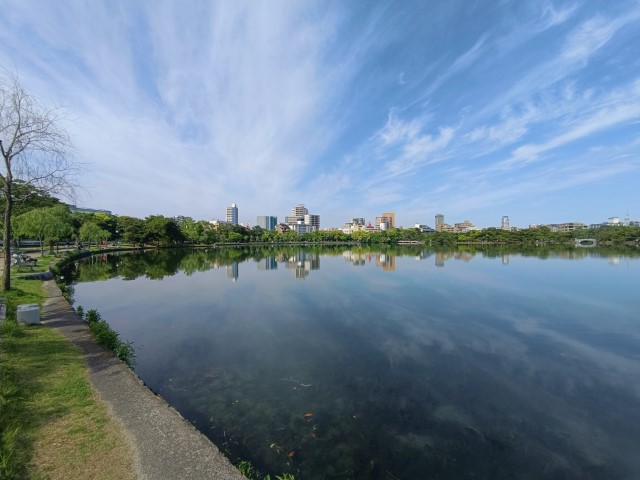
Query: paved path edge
x=165, y=445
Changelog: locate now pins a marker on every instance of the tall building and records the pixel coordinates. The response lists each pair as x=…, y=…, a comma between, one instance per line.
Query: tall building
x=297, y=215
x=313, y=221
x=392, y=219
x=505, y=223
x=439, y=220
x=299, y=211
x=232, y=214
x=386, y=220
x=464, y=227
x=301, y=221
x=267, y=222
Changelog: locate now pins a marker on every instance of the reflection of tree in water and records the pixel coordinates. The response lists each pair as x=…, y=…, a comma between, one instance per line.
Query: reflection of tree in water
x=160, y=263
x=388, y=404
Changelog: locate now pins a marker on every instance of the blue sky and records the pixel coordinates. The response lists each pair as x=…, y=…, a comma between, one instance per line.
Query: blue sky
x=470, y=109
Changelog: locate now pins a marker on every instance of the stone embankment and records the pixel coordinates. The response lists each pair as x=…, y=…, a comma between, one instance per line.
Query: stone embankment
x=165, y=445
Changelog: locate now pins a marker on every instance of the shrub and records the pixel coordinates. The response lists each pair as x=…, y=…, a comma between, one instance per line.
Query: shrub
x=93, y=316
x=104, y=334
x=109, y=338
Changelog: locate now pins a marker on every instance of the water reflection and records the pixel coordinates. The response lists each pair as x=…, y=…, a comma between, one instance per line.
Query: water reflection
x=160, y=264
x=407, y=369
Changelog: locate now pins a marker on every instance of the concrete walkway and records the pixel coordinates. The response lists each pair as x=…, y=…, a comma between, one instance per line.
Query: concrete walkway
x=166, y=445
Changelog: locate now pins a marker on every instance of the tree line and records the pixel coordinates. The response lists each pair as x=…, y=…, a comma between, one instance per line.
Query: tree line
x=46, y=219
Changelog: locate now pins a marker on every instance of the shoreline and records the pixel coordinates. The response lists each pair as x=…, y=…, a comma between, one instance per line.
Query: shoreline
x=165, y=445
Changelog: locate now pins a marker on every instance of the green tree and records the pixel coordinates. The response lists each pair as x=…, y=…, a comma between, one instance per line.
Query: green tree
x=45, y=224
x=27, y=197
x=92, y=233
x=163, y=230
x=132, y=229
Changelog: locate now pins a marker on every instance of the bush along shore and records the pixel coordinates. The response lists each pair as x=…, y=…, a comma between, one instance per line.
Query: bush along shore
x=107, y=336
x=103, y=333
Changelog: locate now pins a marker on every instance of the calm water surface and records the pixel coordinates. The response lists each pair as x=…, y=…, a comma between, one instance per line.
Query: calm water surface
x=390, y=364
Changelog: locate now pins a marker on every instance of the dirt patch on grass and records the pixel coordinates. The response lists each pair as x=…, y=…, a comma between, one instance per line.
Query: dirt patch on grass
x=84, y=444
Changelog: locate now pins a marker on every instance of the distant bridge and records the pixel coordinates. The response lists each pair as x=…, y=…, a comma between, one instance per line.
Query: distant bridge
x=586, y=242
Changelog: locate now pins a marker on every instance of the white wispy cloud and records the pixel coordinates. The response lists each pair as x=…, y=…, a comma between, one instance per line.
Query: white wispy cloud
x=614, y=109
x=268, y=103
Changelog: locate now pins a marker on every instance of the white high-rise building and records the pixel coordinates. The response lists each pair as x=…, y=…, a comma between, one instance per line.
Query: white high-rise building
x=313, y=221
x=232, y=214
x=299, y=211
x=297, y=215
x=505, y=223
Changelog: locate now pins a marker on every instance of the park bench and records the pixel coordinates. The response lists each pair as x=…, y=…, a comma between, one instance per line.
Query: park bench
x=23, y=261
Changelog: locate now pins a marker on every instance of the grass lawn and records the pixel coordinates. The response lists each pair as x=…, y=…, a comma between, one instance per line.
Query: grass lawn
x=52, y=425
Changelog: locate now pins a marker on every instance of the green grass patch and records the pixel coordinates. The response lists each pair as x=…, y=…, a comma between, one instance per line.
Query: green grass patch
x=42, y=378
x=23, y=291
x=51, y=425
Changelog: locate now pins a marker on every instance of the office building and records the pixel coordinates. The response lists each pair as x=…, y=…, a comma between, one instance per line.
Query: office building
x=75, y=209
x=301, y=221
x=439, y=220
x=464, y=227
x=385, y=221
x=313, y=221
x=391, y=217
x=301, y=227
x=505, y=223
x=232, y=214
x=267, y=222
x=298, y=212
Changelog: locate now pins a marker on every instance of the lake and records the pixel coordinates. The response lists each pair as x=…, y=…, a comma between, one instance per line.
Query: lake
x=389, y=363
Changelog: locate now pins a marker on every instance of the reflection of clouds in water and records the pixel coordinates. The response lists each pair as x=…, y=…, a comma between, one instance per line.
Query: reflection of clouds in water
x=608, y=366
x=529, y=369
x=497, y=350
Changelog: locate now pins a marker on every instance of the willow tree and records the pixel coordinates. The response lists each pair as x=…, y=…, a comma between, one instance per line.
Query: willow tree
x=36, y=151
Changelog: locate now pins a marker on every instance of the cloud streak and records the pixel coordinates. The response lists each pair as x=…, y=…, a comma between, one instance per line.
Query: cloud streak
x=350, y=109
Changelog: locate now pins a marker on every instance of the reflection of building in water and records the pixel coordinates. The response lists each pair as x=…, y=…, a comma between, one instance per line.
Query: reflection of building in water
x=505, y=259
x=303, y=263
x=464, y=256
x=232, y=271
x=382, y=260
x=357, y=259
x=267, y=263
x=424, y=254
x=387, y=262
x=442, y=257
x=614, y=260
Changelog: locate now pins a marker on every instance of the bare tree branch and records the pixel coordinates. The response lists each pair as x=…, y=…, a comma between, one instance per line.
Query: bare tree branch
x=36, y=150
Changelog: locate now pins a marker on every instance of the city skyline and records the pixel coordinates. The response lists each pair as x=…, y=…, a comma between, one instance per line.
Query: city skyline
x=527, y=110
